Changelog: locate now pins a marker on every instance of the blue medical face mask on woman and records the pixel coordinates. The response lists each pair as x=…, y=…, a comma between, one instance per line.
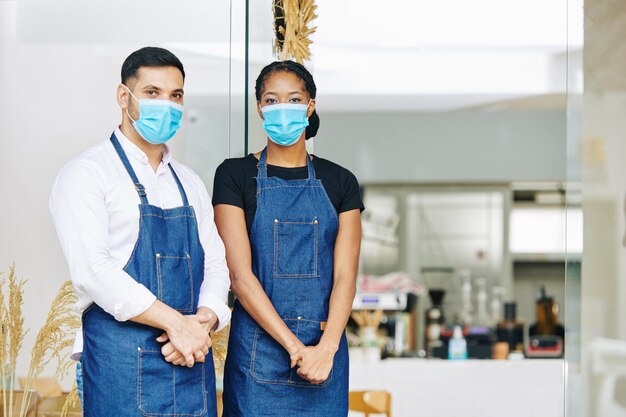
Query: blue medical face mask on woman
x=285, y=122
x=159, y=120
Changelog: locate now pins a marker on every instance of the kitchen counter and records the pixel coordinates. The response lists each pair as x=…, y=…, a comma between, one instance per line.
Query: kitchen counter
x=471, y=388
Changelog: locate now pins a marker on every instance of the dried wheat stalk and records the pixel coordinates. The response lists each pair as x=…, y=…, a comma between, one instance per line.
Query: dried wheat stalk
x=54, y=338
x=3, y=347
x=291, y=23
x=14, y=325
x=220, y=345
x=70, y=400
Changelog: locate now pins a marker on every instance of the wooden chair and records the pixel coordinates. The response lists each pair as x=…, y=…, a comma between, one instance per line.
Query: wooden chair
x=376, y=402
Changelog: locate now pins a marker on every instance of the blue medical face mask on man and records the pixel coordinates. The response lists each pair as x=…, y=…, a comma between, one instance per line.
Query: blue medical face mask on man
x=159, y=120
x=285, y=122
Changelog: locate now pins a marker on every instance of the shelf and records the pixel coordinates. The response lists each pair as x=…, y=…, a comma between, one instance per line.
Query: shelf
x=545, y=257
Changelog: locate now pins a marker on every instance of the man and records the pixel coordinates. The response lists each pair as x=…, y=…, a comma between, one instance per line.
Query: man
x=148, y=266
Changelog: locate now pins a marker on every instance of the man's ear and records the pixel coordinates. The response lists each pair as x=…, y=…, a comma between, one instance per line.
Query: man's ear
x=123, y=96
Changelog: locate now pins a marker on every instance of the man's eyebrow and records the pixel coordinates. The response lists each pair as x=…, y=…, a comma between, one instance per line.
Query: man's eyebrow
x=179, y=90
x=151, y=87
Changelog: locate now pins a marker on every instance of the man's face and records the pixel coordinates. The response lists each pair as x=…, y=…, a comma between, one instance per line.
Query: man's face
x=162, y=83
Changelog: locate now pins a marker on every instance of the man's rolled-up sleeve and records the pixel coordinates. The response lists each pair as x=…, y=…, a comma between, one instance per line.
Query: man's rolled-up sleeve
x=78, y=208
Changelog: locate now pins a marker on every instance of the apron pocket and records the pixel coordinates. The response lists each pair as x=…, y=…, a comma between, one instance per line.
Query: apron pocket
x=164, y=389
x=295, y=249
x=270, y=361
x=175, y=281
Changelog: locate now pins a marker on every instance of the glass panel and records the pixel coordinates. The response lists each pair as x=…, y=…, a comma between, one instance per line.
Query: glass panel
x=60, y=66
x=597, y=355
x=575, y=395
x=457, y=125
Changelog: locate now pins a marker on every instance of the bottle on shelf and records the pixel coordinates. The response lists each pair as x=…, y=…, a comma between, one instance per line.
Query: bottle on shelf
x=510, y=330
x=482, y=316
x=497, y=294
x=457, y=346
x=466, y=297
x=435, y=320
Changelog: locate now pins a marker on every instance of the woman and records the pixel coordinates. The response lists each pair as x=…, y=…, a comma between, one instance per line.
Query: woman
x=291, y=226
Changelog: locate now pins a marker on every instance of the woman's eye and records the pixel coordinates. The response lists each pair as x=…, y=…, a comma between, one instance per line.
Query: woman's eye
x=270, y=101
x=295, y=100
x=152, y=93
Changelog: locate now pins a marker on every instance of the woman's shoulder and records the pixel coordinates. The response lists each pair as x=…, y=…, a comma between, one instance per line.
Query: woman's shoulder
x=332, y=169
x=239, y=164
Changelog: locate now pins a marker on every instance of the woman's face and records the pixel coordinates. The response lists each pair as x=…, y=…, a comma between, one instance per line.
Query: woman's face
x=284, y=87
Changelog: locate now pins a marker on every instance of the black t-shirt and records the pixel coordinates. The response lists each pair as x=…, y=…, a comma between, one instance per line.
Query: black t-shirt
x=235, y=184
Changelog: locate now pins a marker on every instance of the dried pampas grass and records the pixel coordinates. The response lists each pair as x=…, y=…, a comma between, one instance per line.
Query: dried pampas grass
x=14, y=324
x=220, y=345
x=71, y=400
x=291, y=27
x=54, y=339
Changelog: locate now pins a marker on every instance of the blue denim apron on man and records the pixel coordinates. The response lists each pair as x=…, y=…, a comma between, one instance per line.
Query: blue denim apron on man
x=292, y=241
x=124, y=372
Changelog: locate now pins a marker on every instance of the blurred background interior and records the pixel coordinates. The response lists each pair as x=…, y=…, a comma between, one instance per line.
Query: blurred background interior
x=481, y=135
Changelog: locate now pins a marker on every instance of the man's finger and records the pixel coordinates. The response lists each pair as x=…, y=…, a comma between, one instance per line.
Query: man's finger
x=163, y=338
x=203, y=316
x=167, y=349
x=189, y=361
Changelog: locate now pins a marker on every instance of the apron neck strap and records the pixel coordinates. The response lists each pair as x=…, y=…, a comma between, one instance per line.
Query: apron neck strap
x=183, y=194
x=262, y=165
x=141, y=191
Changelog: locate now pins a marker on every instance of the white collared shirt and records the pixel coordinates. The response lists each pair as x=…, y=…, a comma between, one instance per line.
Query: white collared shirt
x=95, y=211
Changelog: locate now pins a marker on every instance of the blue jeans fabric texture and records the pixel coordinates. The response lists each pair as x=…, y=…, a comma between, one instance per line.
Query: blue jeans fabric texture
x=79, y=383
x=124, y=372
x=292, y=241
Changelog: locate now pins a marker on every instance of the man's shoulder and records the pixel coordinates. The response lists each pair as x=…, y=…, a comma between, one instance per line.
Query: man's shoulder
x=90, y=162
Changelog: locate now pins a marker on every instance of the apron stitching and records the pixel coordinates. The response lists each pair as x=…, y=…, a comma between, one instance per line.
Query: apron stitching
x=159, y=276
x=190, y=280
x=316, y=226
x=276, y=248
x=290, y=186
x=139, y=379
x=178, y=216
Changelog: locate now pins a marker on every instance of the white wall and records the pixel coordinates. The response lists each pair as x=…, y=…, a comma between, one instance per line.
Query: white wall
x=498, y=146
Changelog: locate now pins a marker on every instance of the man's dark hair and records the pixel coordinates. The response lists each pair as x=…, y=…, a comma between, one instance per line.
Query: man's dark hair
x=149, y=57
x=304, y=75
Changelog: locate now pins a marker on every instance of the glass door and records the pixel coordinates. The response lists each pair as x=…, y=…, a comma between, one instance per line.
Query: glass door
x=456, y=117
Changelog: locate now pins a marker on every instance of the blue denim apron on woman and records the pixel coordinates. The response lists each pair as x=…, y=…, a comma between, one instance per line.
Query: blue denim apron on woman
x=124, y=372
x=292, y=241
